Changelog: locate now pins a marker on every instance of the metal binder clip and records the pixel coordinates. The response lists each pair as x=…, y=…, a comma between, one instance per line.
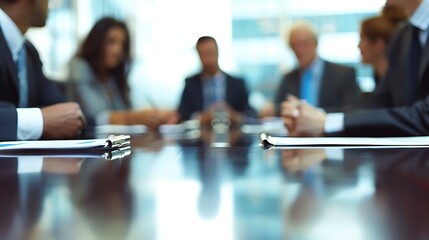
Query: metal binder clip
x=119, y=141
x=118, y=153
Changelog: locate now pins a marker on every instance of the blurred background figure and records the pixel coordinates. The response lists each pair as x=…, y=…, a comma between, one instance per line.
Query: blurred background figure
x=212, y=88
x=401, y=100
x=375, y=35
x=327, y=85
x=98, y=78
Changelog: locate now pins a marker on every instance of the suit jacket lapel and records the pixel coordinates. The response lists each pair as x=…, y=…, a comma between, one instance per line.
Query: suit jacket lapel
x=199, y=95
x=6, y=57
x=324, y=90
x=228, y=89
x=424, y=60
x=294, y=85
x=30, y=78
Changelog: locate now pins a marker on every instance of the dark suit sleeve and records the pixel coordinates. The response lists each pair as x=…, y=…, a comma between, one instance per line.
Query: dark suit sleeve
x=281, y=91
x=185, y=110
x=382, y=96
x=400, y=121
x=290, y=84
x=8, y=122
x=237, y=96
x=351, y=94
x=245, y=106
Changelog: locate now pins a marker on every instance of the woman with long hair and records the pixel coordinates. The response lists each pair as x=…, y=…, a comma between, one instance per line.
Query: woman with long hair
x=98, y=78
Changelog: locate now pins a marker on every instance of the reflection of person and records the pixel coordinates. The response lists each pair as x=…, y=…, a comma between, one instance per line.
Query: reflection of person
x=98, y=78
x=40, y=113
x=401, y=188
x=327, y=85
x=210, y=175
x=213, y=88
x=21, y=197
x=403, y=96
x=309, y=202
x=375, y=35
x=9, y=195
x=300, y=159
x=62, y=165
x=102, y=193
x=401, y=207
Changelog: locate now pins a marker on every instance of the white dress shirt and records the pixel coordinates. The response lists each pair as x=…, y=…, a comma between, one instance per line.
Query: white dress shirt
x=420, y=20
x=30, y=120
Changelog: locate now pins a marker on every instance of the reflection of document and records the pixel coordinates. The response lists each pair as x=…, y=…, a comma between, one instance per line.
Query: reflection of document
x=345, y=141
x=111, y=142
x=111, y=154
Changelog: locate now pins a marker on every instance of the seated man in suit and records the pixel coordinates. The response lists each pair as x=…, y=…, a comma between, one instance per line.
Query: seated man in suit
x=402, y=99
x=327, y=85
x=30, y=106
x=212, y=89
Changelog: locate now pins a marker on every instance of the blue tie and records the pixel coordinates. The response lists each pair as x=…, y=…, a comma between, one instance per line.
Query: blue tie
x=307, y=87
x=21, y=64
x=211, y=95
x=213, y=92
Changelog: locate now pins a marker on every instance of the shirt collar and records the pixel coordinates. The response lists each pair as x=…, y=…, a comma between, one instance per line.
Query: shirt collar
x=14, y=38
x=315, y=65
x=420, y=17
x=219, y=74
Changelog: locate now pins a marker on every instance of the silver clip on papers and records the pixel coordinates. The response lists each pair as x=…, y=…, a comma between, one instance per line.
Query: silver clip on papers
x=118, y=141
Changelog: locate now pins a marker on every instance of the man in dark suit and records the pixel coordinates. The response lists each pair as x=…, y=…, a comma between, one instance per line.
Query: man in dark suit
x=403, y=100
x=212, y=89
x=327, y=85
x=333, y=87
x=31, y=106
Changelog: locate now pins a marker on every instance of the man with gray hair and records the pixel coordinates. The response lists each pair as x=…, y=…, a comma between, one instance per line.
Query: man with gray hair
x=324, y=84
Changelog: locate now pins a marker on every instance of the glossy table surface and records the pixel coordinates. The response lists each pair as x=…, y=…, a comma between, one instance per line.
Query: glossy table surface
x=171, y=187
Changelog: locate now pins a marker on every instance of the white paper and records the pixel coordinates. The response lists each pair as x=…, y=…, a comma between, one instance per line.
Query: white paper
x=171, y=129
x=53, y=144
x=120, y=129
x=263, y=128
x=345, y=141
x=272, y=125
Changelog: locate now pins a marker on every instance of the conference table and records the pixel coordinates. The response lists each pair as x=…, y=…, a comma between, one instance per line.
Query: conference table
x=186, y=187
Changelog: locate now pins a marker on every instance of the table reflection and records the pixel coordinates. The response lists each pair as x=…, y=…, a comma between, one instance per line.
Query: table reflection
x=30, y=180
x=101, y=194
x=372, y=193
x=294, y=160
x=170, y=188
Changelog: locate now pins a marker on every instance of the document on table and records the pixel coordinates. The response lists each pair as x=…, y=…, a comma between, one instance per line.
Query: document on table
x=120, y=129
x=111, y=142
x=272, y=125
x=345, y=141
